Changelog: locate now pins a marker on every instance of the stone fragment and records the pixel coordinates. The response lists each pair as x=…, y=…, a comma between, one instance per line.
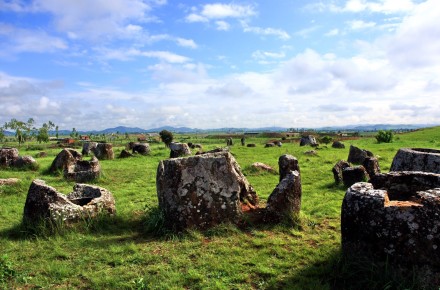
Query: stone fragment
x=311, y=153
x=357, y=155
x=9, y=181
x=308, y=140
x=337, y=170
x=262, y=166
x=24, y=161
x=416, y=159
x=103, y=151
x=179, y=150
x=83, y=170
x=64, y=159
x=287, y=163
x=41, y=154
x=269, y=145
x=141, y=148
x=285, y=200
x=8, y=156
x=371, y=164
x=125, y=154
x=86, y=201
x=338, y=144
x=251, y=145
x=202, y=191
x=87, y=147
x=352, y=175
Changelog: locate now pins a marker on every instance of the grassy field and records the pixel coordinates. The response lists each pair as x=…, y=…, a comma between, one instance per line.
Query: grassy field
x=121, y=253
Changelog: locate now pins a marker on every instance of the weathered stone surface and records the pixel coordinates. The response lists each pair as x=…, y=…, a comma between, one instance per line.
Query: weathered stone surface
x=64, y=159
x=400, y=224
x=141, y=148
x=9, y=181
x=352, y=175
x=416, y=159
x=357, y=155
x=103, y=151
x=285, y=200
x=262, y=166
x=194, y=146
x=8, y=156
x=202, y=191
x=278, y=143
x=251, y=145
x=286, y=164
x=402, y=183
x=338, y=168
x=83, y=170
x=24, y=161
x=229, y=142
x=125, y=154
x=308, y=140
x=179, y=150
x=86, y=201
x=338, y=144
x=216, y=150
x=371, y=164
x=269, y=145
x=87, y=147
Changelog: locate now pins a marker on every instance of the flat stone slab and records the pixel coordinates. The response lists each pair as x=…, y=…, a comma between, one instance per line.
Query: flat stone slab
x=416, y=159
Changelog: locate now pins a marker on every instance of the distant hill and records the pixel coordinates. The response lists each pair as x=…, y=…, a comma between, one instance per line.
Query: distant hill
x=186, y=130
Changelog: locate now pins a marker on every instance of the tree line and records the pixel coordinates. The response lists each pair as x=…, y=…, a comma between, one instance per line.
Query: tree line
x=24, y=131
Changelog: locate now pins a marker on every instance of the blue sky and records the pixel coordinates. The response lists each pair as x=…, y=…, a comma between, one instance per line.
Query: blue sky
x=211, y=64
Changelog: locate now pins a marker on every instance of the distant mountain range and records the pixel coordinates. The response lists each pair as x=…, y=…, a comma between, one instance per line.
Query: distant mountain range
x=183, y=130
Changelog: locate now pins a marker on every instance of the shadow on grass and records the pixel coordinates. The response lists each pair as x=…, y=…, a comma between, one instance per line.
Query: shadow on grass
x=352, y=272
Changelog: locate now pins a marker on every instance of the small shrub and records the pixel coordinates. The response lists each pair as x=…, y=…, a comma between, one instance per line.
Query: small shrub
x=384, y=136
x=326, y=139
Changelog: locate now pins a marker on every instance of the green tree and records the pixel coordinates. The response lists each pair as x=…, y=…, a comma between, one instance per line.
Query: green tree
x=20, y=128
x=74, y=133
x=43, y=132
x=384, y=136
x=166, y=136
x=2, y=133
x=326, y=139
x=56, y=131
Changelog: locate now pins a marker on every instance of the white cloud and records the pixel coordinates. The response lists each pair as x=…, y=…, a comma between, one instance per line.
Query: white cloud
x=333, y=32
x=132, y=53
x=357, y=6
x=267, y=54
x=360, y=24
x=19, y=40
x=265, y=31
x=222, y=25
x=95, y=19
x=221, y=11
x=186, y=42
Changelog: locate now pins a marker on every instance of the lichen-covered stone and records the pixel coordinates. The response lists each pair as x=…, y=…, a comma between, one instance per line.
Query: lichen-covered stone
x=202, y=191
x=286, y=164
x=141, y=148
x=65, y=158
x=308, y=140
x=357, y=155
x=103, y=151
x=179, y=150
x=285, y=200
x=125, y=154
x=24, y=161
x=337, y=170
x=395, y=217
x=9, y=181
x=86, y=201
x=371, y=165
x=416, y=159
x=83, y=170
x=263, y=167
x=87, y=147
x=354, y=174
x=338, y=144
x=8, y=156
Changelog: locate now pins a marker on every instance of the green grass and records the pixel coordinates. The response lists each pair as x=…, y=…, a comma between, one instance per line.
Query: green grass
x=130, y=251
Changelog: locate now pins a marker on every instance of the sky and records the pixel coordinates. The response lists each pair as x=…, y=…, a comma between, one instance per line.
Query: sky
x=96, y=64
